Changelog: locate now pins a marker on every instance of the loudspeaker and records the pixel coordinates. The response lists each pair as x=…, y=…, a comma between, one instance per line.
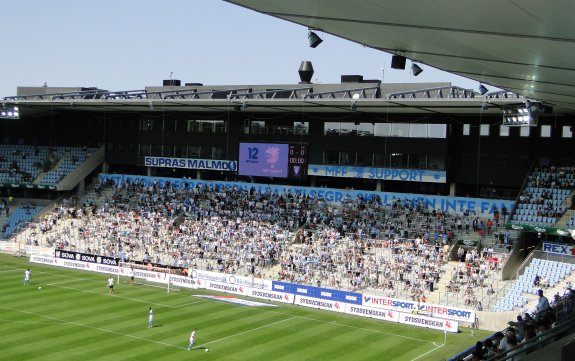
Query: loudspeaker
x=398, y=62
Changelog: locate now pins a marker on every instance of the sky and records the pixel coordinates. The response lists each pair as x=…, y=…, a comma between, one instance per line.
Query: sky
x=128, y=45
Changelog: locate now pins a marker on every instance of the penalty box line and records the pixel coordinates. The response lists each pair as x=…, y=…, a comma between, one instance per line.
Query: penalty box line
x=128, y=298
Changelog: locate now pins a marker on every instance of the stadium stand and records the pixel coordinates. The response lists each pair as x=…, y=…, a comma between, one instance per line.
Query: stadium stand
x=540, y=273
x=544, y=199
x=43, y=165
x=19, y=218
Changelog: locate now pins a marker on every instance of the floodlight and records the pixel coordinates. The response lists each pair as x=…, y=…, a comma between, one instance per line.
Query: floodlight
x=9, y=112
x=314, y=39
x=520, y=116
x=482, y=89
x=244, y=105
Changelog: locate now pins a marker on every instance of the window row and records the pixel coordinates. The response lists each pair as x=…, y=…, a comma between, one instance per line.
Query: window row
x=504, y=131
x=182, y=125
x=281, y=128
x=384, y=160
x=181, y=151
x=404, y=130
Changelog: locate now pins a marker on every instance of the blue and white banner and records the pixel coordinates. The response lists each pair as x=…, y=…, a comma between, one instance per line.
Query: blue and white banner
x=397, y=174
x=191, y=163
x=561, y=249
x=482, y=207
x=318, y=292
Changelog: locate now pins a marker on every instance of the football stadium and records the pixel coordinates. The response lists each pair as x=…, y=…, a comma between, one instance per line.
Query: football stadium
x=354, y=220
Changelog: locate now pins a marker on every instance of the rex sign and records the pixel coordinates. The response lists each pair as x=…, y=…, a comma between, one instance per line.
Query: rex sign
x=561, y=249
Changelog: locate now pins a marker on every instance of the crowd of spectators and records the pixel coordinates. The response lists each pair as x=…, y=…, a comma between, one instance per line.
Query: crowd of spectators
x=527, y=333
x=397, y=248
x=475, y=275
x=544, y=195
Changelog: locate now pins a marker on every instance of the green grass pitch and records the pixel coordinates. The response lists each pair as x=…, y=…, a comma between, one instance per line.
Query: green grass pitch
x=74, y=318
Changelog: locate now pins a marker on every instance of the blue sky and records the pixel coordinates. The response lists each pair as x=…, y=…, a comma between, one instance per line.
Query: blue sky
x=127, y=45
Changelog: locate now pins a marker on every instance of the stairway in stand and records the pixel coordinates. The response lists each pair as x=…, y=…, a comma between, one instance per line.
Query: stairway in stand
x=438, y=294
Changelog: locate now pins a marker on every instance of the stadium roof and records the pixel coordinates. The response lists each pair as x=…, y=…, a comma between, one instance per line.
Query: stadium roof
x=371, y=97
x=525, y=47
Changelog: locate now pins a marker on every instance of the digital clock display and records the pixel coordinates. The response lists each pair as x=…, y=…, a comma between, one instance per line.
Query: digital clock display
x=297, y=162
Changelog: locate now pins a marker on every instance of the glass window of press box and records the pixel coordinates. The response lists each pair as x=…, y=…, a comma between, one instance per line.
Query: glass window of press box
x=276, y=127
x=181, y=151
x=183, y=125
x=405, y=130
x=384, y=160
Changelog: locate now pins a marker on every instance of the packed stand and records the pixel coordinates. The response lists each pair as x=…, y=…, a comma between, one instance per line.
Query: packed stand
x=399, y=249
x=220, y=229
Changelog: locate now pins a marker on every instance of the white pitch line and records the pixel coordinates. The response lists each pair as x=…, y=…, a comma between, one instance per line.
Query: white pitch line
x=116, y=296
x=61, y=282
x=428, y=352
x=190, y=303
x=34, y=271
x=34, y=322
x=95, y=328
x=244, y=332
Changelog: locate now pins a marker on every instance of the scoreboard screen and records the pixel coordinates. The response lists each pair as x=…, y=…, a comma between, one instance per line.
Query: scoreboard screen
x=273, y=160
x=297, y=161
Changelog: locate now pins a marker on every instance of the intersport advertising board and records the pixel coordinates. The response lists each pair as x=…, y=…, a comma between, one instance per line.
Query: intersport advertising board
x=407, y=306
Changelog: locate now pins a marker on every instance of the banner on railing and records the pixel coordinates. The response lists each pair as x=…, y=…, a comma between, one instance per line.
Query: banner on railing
x=481, y=206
